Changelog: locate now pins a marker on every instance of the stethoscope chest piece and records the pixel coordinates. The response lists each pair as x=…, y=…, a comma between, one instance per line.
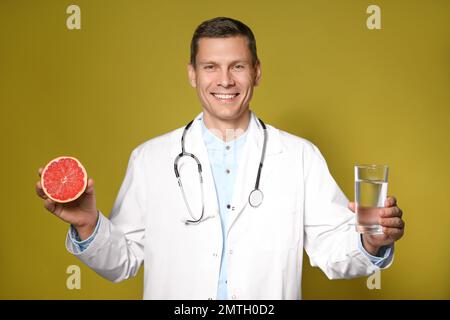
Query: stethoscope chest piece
x=255, y=198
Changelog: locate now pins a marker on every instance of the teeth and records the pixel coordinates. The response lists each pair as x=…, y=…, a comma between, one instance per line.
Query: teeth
x=224, y=96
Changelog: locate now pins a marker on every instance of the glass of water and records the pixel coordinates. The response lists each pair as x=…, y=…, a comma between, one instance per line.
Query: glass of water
x=371, y=183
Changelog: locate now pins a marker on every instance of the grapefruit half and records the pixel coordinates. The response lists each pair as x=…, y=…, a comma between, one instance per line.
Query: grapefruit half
x=64, y=179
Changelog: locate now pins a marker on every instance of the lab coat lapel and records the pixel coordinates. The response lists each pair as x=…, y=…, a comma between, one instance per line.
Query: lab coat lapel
x=249, y=164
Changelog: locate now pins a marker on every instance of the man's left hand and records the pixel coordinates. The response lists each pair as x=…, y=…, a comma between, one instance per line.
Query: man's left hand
x=390, y=218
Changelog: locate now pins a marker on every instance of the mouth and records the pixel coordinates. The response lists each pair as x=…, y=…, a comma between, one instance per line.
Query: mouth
x=225, y=97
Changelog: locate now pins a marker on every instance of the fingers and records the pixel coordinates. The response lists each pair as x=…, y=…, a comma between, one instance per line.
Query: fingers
x=50, y=205
x=391, y=212
x=393, y=233
x=39, y=191
x=90, y=186
x=392, y=222
x=390, y=201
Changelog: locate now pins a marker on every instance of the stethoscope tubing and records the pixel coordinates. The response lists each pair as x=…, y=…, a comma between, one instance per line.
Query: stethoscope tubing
x=256, y=195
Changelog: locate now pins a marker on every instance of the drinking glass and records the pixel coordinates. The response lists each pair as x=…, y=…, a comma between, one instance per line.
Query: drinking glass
x=371, y=183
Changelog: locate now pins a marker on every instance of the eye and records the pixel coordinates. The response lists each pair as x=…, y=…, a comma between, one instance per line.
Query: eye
x=208, y=67
x=239, y=66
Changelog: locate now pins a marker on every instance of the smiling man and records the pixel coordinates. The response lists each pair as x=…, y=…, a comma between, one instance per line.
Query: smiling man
x=223, y=207
x=224, y=73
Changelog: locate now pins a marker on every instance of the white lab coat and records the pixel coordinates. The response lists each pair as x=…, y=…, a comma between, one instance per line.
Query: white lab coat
x=303, y=207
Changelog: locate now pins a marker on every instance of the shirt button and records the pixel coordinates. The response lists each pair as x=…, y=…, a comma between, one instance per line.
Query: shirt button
x=228, y=171
x=228, y=206
x=227, y=147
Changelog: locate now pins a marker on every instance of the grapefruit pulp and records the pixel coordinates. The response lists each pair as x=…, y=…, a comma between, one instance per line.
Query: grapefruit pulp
x=64, y=179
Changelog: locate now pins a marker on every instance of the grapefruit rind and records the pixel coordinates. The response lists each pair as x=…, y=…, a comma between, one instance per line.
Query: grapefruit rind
x=53, y=197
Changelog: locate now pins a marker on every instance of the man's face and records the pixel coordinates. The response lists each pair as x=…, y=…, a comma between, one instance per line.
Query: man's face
x=224, y=76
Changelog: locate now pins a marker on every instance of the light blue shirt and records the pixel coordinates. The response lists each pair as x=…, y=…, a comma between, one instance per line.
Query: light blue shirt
x=81, y=245
x=224, y=158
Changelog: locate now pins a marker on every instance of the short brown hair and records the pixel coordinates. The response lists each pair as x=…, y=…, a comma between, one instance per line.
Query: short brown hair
x=222, y=27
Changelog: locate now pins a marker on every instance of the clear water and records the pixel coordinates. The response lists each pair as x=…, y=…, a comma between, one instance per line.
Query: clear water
x=370, y=196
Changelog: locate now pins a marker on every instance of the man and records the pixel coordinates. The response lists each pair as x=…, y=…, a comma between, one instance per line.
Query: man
x=218, y=239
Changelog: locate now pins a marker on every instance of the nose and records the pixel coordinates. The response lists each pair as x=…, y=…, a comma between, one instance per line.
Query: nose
x=225, y=79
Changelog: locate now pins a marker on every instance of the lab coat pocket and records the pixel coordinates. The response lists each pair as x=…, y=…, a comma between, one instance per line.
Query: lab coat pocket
x=280, y=228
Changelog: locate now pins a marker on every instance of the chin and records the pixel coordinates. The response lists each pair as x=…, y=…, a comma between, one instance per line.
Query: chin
x=228, y=112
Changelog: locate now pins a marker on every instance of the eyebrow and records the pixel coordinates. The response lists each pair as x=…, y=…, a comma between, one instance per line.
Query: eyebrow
x=213, y=62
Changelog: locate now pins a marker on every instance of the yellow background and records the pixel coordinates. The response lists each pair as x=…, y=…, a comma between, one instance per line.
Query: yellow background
x=362, y=96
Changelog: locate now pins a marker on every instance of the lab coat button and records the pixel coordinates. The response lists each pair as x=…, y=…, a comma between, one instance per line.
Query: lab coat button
x=228, y=206
x=228, y=171
x=227, y=147
x=230, y=252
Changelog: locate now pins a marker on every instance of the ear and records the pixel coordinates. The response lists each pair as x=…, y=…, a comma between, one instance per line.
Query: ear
x=192, y=75
x=257, y=73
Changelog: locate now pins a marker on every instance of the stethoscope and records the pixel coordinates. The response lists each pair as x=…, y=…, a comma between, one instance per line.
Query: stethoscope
x=255, y=197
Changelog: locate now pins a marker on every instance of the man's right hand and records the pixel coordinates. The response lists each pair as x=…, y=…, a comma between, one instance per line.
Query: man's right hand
x=82, y=213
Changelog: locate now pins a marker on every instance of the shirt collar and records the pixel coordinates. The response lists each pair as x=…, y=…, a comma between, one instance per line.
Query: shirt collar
x=213, y=142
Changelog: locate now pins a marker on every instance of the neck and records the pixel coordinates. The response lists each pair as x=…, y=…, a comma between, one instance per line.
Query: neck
x=227, y=130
